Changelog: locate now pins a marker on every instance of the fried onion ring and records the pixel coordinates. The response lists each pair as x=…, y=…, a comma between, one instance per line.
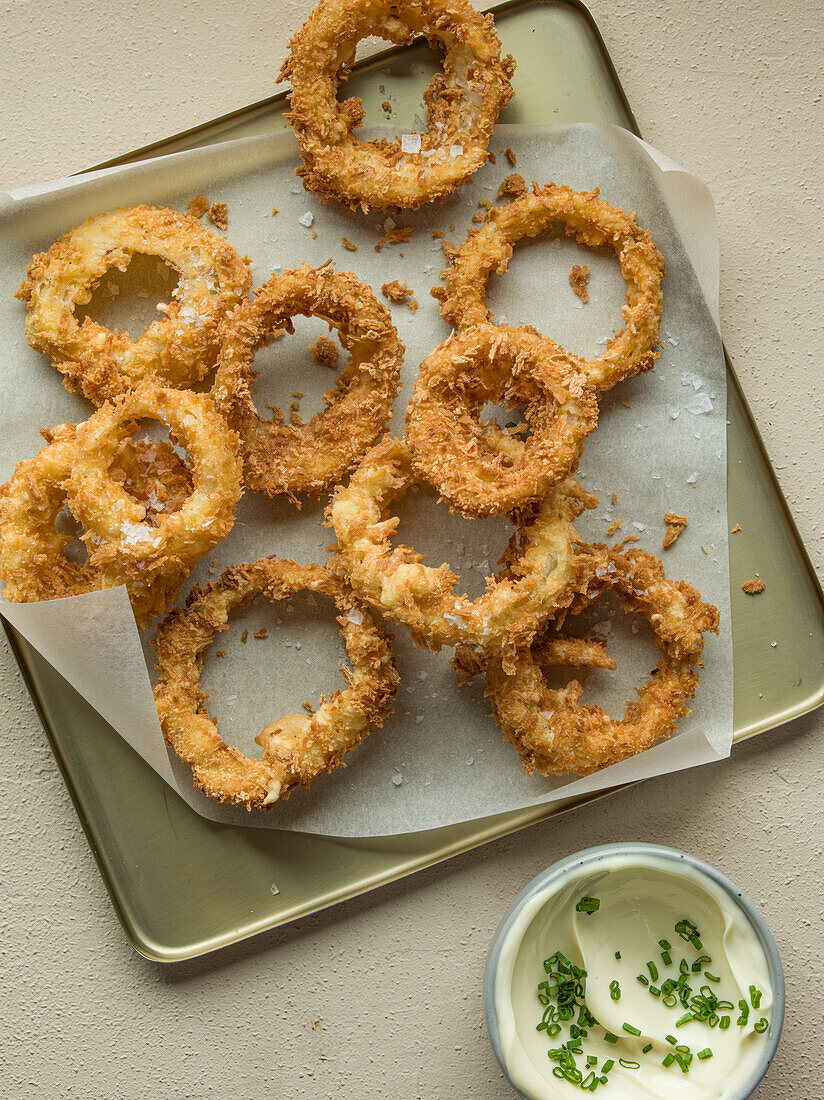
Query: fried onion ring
x=512, y=366
x=592, y=222
x=310, y=458
x=33, y=562
x=463, y=102
x=299, y=746
x=544, y=563
x=176, y=351
x=551, y=730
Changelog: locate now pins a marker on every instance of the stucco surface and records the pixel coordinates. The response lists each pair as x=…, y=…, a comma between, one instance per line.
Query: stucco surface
x=733, y=91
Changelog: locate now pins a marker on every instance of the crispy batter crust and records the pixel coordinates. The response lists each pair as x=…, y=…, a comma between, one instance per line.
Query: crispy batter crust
x=551, y=730
x=33, y=563
x=176, y=351
x=512, y=366
x=291, y=459
x=400, y=293
x=463, y=102
x=578, y=281
x=542, y=566
x=299, y=746
x=592, y=222
x=156, y=557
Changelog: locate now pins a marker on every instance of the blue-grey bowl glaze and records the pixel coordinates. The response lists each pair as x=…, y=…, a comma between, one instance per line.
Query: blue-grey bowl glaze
x=595, y=855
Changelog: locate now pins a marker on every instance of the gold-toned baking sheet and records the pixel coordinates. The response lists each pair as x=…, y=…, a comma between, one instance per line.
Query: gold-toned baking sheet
x=183, y=886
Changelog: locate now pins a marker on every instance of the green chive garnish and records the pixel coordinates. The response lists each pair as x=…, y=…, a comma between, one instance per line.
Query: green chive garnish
x=755, y=996
x=667, y=958
x=610, y=1038
x=646, y=1049
x=704, y=1054
x=724, y=1023
x=643, y=979
x=625, y=1062
x=617, y=954
x=588, y=905
x=653, y=970
x=615, y=991
x=632, y=1030
x=607, y=1066
x=762, y=1025
x=685, y=1019
x=668, y=1060
x=700, y=962
x=711, y=977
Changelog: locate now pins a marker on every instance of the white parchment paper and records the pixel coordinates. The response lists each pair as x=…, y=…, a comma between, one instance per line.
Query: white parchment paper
x=660, y=446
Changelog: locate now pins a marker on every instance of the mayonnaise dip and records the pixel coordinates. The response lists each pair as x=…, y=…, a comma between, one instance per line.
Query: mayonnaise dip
x=642, y=897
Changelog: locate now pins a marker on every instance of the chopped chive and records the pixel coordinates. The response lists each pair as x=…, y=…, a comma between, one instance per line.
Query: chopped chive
x=684, y=966
x=745, y=1013
x=646, y=1049
x=762, y=1025
x=617, y=954
x=711, y=977
x=704, y=1054
x=632, y=1030
x=653, y=970
x=665, y=945
x=607, y=1066
x=588, y=905
x=755, y=996
x=627, y=1064
x=610, y=1038
x=591, y=1060
x=701, y=961
x=643, y=979
x=671, y=1039
x=667, y=958
x=724, y=1023
x=670, y=1000
x=685, y=1019
x=681, y=1059
x=683, y=1049
x=725, y=1004
x=655, y=991
x=670, y=1058
x=615, y=990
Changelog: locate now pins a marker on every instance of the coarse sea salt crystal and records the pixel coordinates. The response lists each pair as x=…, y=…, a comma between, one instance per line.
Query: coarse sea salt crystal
x=699, y=404
x=410, y=143
x=639, y=526
x=354, y=616
x=674, y=411
x=307, y=218
x=397, y=779
x=456, y=150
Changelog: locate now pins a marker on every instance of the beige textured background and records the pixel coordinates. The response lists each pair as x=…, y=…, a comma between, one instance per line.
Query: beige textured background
x=734, y=92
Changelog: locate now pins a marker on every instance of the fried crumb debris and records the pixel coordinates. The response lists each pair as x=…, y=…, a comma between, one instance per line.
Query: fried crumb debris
x=294, y=414
x=219, y=215
x=578, y=281
x=492, y=158
x=510, y=156
x=314, y=234
x=274, y=210
x=614, y=498
x=629, y=538
x=479, y=215
x=736, y=529
x=386, y=107
x=400, y=293
x=626, y=404
x=325, y=352
x=244, y=637
x=262, y=633
x=350, y=246
x=513, y=186
x=616, y=525
x=675, y=525
x=704, y=549
x=437, y=235
x=753, y=587
x=220, y=653
x=308, y=706
x=394, y=236
x=198, y=205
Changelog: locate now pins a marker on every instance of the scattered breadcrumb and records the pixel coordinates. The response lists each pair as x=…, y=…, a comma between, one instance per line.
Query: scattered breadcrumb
x=675, y=525
x=325, y=352
x=274, y=210
x=386, y=106
x=510, y=156
x=736, y=529
x=220, y=653
x=244, y=637
x=578, y=281
x=294, y=414
x=262, y=633
x=308, y=706
x=400, y=293
x=753, y=587
x=614, y=498
x=616, y=525
x=493, y=159
x=513, y=186
x=350, y=246
x=394, y=236
x=219, y=215
x=629, y=538
x=704, y=549
x=314, y=234
x=198, y=206
x=626, y=404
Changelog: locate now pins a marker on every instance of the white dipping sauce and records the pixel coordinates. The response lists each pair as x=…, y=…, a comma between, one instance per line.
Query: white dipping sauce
x=642, y=897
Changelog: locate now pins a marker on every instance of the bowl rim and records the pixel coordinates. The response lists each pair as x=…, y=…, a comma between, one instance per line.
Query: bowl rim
x=594, y=855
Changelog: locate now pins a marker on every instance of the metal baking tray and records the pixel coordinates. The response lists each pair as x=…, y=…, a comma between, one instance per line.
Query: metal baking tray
x=183, y=886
